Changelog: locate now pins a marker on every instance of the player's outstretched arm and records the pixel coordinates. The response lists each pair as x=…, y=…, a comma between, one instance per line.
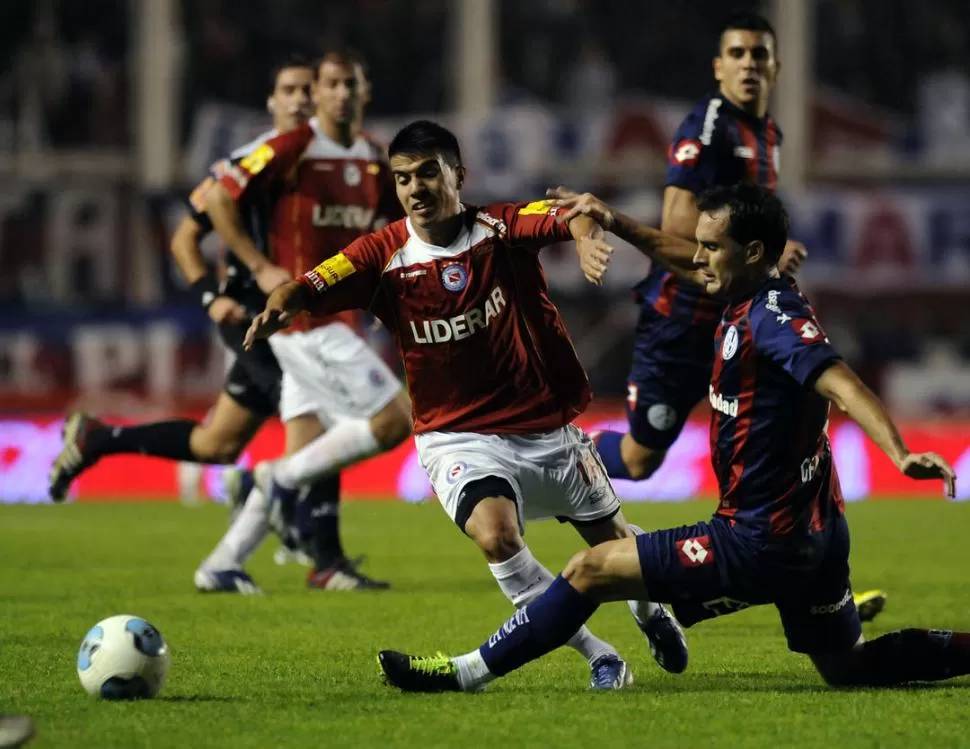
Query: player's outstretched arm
x=227, y=220
x=843, y=387
x=286, y=301
x=674, y=252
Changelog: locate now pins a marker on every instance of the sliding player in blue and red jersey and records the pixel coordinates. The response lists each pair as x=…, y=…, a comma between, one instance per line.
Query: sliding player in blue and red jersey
x=727, y=138
x=779, y=535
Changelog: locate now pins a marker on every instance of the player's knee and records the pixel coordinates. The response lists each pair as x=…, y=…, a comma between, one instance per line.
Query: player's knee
x=841, y=670
x=499, y=542
x=210, y=447
x=392, y=425
x=642, y=462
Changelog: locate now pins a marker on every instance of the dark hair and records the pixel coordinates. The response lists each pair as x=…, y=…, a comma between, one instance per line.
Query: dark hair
x=293, y=60
x=756, y=215
x=745, y=20
x=341, y=55
x=425, y=138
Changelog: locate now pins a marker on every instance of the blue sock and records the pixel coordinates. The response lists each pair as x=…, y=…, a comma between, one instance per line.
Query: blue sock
x=608, y=444
x=539, y=628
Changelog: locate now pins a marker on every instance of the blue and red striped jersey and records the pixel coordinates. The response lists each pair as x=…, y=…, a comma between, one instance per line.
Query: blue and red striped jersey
x=716, y=144
x=769, y=446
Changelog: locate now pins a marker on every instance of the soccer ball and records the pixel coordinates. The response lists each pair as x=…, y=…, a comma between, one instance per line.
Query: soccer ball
x=121, y=658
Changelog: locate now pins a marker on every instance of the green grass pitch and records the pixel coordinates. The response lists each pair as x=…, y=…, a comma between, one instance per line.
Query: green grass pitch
x=297, y=668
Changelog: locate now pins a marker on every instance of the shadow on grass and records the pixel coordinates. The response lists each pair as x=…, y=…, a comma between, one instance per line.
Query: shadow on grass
x=188, y=698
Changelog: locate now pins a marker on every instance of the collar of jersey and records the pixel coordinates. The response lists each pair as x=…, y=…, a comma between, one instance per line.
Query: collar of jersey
x=315, y=124
x=456, y=242
x=735, y=110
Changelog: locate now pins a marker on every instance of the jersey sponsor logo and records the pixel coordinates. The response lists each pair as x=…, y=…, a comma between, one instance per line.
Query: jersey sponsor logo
x=730, y=345
x=330, y=271
x=454, y=277
x=495, y=224
x=686, y=152
x=809, y=467
x=772, y=306
x=342, y=216
x=255, y=162
x=462, y=326
x=710, y=120
x=832, y=608
x=808, y=331
x=197, y=198
x=538, y=208
x=661, y=416
x=695, y=552
x=726, y=406
x=352, y=174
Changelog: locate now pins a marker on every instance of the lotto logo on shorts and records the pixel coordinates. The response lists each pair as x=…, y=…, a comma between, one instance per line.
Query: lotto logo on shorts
x=456, y=471
x=695, y=552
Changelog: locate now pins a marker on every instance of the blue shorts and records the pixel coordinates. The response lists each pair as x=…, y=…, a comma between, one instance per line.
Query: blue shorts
x=670, y=374
x=711, y=568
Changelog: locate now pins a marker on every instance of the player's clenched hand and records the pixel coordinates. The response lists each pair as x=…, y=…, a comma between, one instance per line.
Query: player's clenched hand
x=269, y=276
x=573, y=204
x=594, y=258
x=930, y=466
x=792, y=257
x=224, y=310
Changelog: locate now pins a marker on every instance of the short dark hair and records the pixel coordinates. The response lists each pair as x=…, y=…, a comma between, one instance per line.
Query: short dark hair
x=426, y=138
x=746, y=20
x=343, y=55
x=756, y=215
x=292, y=60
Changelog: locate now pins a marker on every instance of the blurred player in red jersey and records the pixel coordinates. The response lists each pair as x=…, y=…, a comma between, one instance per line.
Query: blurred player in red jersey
x=779, y=535
x=325, y=184
x=495, y=382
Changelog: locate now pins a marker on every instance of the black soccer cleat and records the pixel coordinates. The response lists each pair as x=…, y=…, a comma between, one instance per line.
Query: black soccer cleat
x=870, y=603
x=412, y=673
x=76, y=454
x=343, y=575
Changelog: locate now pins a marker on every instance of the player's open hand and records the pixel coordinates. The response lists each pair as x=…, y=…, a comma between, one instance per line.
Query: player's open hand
x=265, y=324
x=930, y=466
x=792, y=257
x=270, y=276
x=573, y=204
x=226, y=311
x=594, y=258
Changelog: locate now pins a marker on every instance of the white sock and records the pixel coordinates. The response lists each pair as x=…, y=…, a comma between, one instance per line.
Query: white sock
x=523, y=579
x=642, y=610
x=345, y=443
x=244, y=535
x=473, y=674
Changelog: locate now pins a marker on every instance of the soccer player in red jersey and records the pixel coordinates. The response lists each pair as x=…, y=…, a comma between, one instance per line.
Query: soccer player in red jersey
x=325, y=184
x=779, y=535
x=495, y=382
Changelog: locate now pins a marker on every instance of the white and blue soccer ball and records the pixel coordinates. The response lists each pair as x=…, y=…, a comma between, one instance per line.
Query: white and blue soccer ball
x=121, y=658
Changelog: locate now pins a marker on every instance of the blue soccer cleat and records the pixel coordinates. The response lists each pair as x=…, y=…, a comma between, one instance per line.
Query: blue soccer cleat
x=666, y=639
x=226, y=581
x=609, y=672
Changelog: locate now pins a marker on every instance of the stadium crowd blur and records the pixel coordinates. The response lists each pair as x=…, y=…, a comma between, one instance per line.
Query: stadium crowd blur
x=68, y=79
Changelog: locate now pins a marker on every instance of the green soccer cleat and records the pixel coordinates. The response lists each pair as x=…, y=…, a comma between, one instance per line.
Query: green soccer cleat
x=412, y=673
x=870, y=603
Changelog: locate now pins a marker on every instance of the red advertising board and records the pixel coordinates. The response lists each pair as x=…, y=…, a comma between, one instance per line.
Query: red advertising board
x=28, y=446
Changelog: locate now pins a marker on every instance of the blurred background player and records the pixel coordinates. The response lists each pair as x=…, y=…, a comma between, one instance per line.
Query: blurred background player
x=326, y=184
x=779, y=535
x=252, y=387
x=728, y=137
x=494, y=378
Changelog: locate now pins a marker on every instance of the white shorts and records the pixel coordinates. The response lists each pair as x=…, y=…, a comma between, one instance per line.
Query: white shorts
x=553, y=474
x=332, y=373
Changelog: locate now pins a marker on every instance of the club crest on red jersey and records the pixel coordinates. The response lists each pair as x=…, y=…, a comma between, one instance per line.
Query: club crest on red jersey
x=352, y=174
x=454, y=277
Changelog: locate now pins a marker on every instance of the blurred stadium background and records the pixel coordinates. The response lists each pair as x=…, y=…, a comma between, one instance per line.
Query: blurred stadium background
x=110, y=110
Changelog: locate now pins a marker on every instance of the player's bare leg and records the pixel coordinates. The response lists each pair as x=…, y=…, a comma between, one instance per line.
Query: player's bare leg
x=666, y=639
x=494, y=526
x=219, y=440
x=900, y=657
x=607, y=572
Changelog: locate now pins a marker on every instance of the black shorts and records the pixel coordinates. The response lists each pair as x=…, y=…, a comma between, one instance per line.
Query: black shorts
x=253, y=381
